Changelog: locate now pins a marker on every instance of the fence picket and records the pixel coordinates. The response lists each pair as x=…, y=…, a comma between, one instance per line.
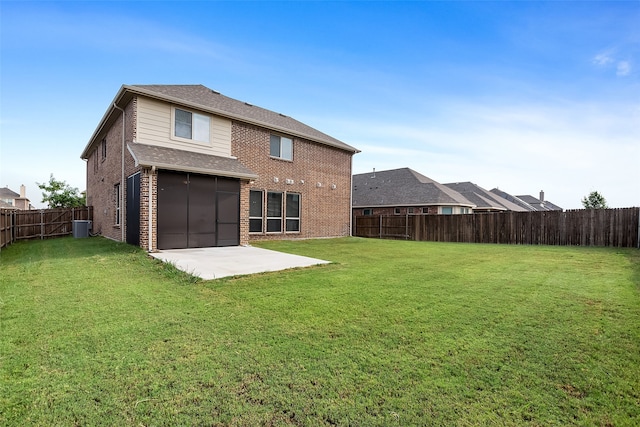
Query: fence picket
x=584, y=227
x=39, y=224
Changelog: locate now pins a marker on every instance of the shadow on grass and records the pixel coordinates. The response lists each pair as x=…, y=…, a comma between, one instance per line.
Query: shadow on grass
x=83, y=250
x=29, y=251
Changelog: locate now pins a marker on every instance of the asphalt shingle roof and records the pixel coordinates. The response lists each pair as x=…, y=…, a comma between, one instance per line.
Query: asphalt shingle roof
x=513, y=199
x=187, y=161
x=484, y=199
x=527, y=202
x=6, y=193
x=402, y=187
x=539, y=205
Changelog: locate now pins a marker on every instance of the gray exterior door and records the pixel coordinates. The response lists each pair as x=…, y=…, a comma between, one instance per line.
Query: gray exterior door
x=196, y=211
x=133, y=210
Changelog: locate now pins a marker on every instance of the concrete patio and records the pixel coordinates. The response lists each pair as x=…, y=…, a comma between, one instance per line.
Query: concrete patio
x=215, y=263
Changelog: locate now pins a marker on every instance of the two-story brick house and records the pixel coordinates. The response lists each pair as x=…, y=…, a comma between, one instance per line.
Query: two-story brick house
x=179, y=166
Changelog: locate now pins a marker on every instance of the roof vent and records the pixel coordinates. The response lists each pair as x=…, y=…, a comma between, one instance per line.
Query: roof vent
x=282, y=115
x=250, y=105
x=215, y=91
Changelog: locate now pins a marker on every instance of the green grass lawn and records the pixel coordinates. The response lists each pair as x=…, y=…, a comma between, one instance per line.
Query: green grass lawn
x=400, y=333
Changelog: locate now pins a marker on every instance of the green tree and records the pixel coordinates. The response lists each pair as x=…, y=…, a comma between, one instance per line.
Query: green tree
x=594, y=200
x=59, y=194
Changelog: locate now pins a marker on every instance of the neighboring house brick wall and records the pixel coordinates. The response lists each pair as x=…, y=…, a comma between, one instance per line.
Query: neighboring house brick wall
x=325, y=212
x=417, y=210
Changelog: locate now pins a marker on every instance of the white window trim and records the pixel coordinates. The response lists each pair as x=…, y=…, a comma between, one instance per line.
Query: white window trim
x=187, y=140
x=280, y=156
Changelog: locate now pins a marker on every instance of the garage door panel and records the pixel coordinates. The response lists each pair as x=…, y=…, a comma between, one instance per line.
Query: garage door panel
x=202, y=211
x=228, y=219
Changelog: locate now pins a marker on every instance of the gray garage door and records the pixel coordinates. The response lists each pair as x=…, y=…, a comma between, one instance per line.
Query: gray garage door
x=196, y=211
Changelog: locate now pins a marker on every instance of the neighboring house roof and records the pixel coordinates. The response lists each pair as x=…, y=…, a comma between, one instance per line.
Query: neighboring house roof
x=202, y=98
x=402, y=187
x=484, y=199
x=169, y=158
x=539, y=205
x=513, y=199
x=530, y=203
x=6, y=193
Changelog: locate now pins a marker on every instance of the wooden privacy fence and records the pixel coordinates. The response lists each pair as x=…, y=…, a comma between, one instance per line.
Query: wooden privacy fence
x=39, y=224
x=583, y=227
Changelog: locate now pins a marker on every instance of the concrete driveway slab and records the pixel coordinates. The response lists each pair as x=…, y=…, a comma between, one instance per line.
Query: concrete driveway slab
x=215, y=263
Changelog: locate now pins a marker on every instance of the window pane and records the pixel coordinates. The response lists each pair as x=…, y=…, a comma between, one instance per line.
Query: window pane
x=274, y=149
x=447, y=210
x=274, y=225
x=293, y=205
x=255, y=225
x=274, y=204
x=293, y=225
x=286, y=147
x=200, y=128
x=183, y=124
x=255, y=204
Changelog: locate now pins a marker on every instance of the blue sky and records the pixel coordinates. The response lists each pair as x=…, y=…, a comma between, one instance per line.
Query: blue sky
x=524, y=96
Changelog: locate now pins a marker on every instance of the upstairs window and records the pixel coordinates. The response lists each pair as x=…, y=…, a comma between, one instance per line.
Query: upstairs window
x=193, y=126
x=103, y=148
x=281, y=147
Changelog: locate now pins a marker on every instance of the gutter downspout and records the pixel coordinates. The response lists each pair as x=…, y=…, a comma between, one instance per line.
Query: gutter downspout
x=153, y=170
x=351, y=196
x=122, y=183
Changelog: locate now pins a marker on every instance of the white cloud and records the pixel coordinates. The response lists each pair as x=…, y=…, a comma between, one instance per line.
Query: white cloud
x=566, y=149
x=624, y=68
x=602, y=59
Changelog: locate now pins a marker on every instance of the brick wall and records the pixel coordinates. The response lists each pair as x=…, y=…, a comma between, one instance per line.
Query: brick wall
x=148, y=177
x=319, y=173
x=104, y=172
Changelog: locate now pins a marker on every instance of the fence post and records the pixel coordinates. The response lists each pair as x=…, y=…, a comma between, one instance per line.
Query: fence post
x=380, y=231
x=638, y=235
x=406, y=226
